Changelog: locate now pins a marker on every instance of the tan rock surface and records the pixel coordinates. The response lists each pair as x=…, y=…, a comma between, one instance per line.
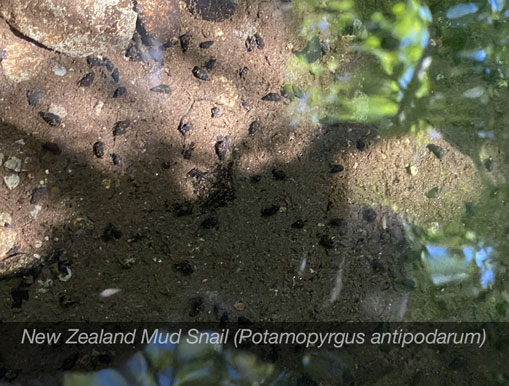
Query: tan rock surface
x=160, y=18
x=76, y=28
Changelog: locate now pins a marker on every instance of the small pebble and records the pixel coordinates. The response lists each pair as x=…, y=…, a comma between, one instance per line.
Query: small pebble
x=254, y=127
x=162, y=88
x=272, y=97
x=119, y=92
x=239, y=306
x=98, y=107
x=98, y=149
x=13, y=163
x=184, y=41
x=12, y=181
x=109, y=292
x=117, y=160
x=59, y=70
x=270, y=211
x=206, y=44
x=52, y=147
x=121, y=127
x=412, y=170
x=50, y=119
x=34, y=98
x=87, y=80
x=57, y=110
x=200, y=73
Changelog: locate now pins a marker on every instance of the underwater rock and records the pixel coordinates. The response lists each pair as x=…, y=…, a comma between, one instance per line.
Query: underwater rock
x=75, y=28
x=212, y=10
x=19, y=58
x=7, y=240
x=160, y=20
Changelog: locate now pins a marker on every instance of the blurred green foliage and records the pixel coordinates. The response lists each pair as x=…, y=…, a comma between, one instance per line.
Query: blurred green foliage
x=408, y=66
x=437, y=69
x=188, y=364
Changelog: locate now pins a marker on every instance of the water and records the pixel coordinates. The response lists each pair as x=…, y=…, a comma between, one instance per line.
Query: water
x=437, y=69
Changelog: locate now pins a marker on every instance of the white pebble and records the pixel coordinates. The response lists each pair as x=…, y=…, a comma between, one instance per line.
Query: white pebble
x=13, y=163
x=36, y=211
x=12, y=181
x=109, y=292
x=59, y=70
x=57, y=110
x=473, y=93
x=98, y=107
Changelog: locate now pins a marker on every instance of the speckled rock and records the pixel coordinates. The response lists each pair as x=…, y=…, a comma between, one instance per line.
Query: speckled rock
x=12, y=181
x=160, y=18
x=213, y=10
x=76, y=28
x=7, y=240
x=20, y=58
